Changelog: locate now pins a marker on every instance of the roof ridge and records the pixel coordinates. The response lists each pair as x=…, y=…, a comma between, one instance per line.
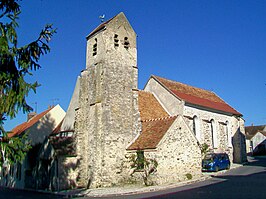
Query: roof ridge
x=196, y=95
x=27, y=124
x=174, y=81
x=160, y=118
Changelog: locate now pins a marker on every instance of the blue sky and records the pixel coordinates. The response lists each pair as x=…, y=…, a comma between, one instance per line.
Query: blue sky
x=214, y=45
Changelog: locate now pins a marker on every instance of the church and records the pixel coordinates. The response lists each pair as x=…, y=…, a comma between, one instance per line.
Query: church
x=168, y=121
x=109, y=119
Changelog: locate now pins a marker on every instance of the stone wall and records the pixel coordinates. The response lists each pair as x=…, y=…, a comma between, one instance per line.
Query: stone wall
x=178, y=155
x=67, y=174
x=226, y=127
x=107, y=119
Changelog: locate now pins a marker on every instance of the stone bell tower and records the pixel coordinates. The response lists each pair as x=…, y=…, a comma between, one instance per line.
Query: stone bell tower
x=108, y=118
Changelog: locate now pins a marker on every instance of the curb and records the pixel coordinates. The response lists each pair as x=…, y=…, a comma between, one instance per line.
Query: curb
x=129, y=191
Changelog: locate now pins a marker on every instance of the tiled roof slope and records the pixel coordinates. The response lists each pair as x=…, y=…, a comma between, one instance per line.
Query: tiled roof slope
x=149, y=107
x=24, y=126
x=197, y=96
x=155, y=122
x=252, y=130
x=152, y=133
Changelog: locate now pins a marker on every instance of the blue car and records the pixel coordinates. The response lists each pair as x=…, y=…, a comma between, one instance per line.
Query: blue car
x=215, y=162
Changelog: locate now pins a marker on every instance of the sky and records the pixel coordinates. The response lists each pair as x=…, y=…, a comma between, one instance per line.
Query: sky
x=217, y=45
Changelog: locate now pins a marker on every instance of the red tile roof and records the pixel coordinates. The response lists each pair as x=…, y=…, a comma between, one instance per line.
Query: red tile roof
x=152, y=133
x=196, y=96
x=24, y=126
x=155, y=122
x=149, y=107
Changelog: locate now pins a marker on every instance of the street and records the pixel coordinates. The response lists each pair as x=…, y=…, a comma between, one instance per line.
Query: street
x=248, y=181
x=6, y=193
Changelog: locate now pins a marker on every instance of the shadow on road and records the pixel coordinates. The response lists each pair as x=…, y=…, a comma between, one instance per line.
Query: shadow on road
x=10, y=193
x=248, y=181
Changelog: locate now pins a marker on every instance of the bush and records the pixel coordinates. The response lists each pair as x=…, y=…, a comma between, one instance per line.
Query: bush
x=189, y=176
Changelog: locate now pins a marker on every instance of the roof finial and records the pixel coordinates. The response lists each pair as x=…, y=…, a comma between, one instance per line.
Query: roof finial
x=102, y=18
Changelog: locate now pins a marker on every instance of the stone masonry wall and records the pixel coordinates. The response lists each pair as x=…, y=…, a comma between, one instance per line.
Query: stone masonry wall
x=178, y=154
x=108, y=118
x=226, y=127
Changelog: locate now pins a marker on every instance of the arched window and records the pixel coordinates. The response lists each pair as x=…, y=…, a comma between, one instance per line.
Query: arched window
x=94, y=48
x=126, y=43
x=116, y=40
x=214, y=134
x=196, y=127
x=228, y=133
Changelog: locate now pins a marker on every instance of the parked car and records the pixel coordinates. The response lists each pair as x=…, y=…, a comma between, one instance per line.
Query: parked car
x=215, y=162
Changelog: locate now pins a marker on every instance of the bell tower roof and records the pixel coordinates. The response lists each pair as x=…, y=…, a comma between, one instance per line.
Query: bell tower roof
x=120, y=17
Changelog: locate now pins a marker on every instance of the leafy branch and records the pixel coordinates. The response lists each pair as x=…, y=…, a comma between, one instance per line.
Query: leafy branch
x=17, y=63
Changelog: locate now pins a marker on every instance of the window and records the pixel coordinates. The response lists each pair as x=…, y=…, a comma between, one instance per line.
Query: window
x=214, y=134
x=126, y=43
x=140, y=160
x=94, y=48
x=196, y=127
x=116, y=40
x=228, y=133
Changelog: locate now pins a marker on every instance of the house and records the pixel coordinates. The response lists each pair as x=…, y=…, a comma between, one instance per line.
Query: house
x=38, y=127
x=256, y=139
x=60, y=147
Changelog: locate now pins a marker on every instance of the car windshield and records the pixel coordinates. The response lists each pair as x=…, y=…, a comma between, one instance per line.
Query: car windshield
x=209, y=157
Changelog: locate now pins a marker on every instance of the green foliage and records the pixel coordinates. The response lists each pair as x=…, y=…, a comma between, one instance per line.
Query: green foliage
x=189, y=176
x=14, y=149
x=16, y=63
x=204, y=149
x=146, y=166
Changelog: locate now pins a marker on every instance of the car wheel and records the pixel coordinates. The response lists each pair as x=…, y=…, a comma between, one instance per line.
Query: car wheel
x=216, y=168
x=228, y=167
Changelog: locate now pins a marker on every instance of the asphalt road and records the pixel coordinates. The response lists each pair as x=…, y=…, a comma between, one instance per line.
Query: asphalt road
x=6, y=193
x=244, y=182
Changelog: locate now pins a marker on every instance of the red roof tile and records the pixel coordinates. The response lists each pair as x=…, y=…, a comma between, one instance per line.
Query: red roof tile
x=196, y=96
x=24, y=126
x=155, y=122
x=149, y=107
x=152, y=133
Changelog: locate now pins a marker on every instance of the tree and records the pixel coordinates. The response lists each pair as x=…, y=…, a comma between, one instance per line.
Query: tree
x=145, y=166
x=16, y=63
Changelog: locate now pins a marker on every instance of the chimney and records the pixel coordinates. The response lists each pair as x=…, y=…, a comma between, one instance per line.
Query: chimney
x=31, y=115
